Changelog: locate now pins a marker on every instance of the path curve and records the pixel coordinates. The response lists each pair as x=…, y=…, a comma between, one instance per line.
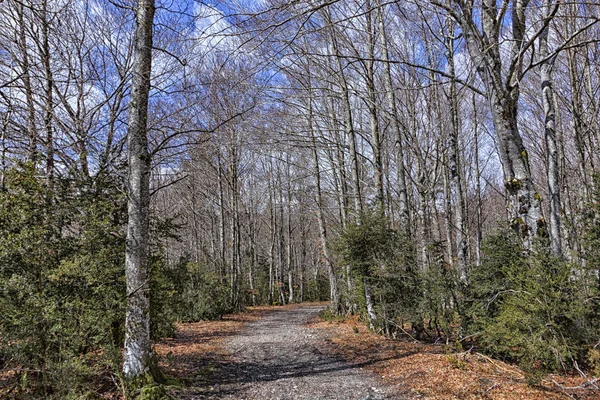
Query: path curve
x=277, y=357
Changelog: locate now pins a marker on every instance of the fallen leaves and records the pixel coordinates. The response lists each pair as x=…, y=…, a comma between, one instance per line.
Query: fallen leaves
x=198, y=346
x=428, y=371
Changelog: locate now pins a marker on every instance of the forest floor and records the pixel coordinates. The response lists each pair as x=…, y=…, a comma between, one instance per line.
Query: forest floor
x=290, y=353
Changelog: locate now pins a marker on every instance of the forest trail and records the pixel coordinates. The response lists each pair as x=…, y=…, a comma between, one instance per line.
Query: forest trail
x=278, y=357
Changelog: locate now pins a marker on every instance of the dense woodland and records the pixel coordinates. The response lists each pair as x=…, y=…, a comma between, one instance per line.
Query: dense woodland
x=430, y=165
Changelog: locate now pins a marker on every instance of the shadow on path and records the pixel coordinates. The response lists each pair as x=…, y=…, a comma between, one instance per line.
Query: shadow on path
x=277, y=357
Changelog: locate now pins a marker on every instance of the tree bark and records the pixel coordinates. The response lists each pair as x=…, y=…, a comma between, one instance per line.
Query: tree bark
x=3, y=150
x=48, y=89
x=26, y=78
x=333, y=289
x=577, y=111
x=550, y=136
x=392, y=116
x=503, y=96
x=272, y=236
x=289, y=253
x=222, y=221
x=235, y=260
x=137, y=322
x=348, y=124
x=478, y=234
x=372, y=106
x=454, y=163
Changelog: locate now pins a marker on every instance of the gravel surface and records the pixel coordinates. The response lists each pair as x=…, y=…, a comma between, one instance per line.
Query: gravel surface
x=277, y=357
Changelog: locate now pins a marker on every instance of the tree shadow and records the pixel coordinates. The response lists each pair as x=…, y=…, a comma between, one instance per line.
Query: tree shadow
x=229, y=377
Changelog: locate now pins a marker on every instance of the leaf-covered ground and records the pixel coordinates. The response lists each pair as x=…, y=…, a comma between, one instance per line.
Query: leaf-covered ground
x=431, y=372
x=199, y=346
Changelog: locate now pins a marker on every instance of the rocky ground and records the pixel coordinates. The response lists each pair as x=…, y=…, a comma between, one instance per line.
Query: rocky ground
x=277, y=357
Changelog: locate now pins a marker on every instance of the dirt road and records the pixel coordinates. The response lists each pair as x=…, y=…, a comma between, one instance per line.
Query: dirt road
x=278, y=357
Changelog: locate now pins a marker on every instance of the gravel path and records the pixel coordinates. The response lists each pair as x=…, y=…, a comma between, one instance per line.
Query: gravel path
x=276, y=357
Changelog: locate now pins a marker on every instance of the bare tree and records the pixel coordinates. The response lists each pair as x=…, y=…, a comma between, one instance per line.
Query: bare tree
x=501, y=80
x=137, y=356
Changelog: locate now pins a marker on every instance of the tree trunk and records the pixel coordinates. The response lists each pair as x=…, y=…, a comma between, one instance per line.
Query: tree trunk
x=289, y=259
x=253, y=254
x=26, y=77
x=372, y=106
x=454, y=163
x=371, y=315
x=222, y=223
x=333, y=289
x=348, y=124
x=503, y=95
x=272, y=235
x=235, y=260
x=48, y=89
x=281, y=259
x=478, y=234
x=3, y=150
x=404, y=210
x=448, y=224
x=550, y=136
x=137, y=322
x=577, y=111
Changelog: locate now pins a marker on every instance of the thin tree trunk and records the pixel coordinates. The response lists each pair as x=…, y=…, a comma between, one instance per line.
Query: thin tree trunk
x=26, y=77
x=372, y=106
x=235, y=268
x=478, y=235
x=272, y=234
x=550, y=136
x=454, y=163
x=448, y=215
x=3, y=151
x=333, y=289
x=405, y=219
x=289, y=260
x=348, y=125
x=302, y=261
x=593, y=107
x=281, y=259
x=48, y=98
x=375, y=145
x=222, y=244
x=343, y=193
x=253, y=255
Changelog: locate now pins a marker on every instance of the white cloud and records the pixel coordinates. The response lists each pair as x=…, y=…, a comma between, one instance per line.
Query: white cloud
x=213, y=31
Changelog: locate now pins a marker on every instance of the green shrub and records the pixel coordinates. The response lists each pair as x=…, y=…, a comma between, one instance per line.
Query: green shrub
x=441, y=303
x=385, y=259
x=318, y=289
x=531, y=309
x=330, y=316
x=201, y=295
x=62, y=302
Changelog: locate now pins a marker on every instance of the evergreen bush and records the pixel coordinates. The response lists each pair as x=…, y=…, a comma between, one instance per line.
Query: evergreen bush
x=62, y=302
x=532, y=309
x=385, y=259
x=201, y=294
